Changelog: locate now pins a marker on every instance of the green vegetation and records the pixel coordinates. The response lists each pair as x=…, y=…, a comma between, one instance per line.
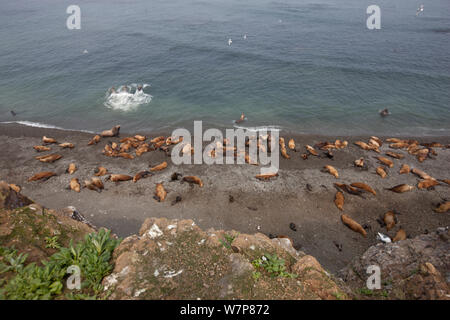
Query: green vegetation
x=228, y=240
x=273, y=265
x=33, y=282
x=52, y=242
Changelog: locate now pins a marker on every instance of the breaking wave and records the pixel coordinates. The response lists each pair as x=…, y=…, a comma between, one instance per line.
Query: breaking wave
x=127, y=97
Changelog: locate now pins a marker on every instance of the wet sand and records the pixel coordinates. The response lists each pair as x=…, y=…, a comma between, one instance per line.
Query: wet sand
x=268, y=207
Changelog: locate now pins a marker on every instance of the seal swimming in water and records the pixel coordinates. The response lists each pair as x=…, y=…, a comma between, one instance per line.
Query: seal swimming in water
x=113, y=132
x=384, y=112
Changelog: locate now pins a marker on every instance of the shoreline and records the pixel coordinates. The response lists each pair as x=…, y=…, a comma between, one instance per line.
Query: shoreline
x=266, y=207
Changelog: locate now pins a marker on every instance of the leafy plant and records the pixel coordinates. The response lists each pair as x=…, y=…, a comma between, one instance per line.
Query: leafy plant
x=228, y=240
x=52, y=242
x=273, y=265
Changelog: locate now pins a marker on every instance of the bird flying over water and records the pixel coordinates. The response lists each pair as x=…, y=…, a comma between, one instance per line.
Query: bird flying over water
x=419, y=10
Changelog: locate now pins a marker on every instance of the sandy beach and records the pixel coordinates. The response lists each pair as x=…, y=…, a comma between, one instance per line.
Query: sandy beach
x=255, y=206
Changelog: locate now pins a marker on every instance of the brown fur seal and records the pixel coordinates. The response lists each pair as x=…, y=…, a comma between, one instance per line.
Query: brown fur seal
x=72, y=168
x=366, y=147
x=401, y=188
x=159, y=167
x=283, y=149
x=359, y=162
x=340, y=144
x=160, y=192
x=15, y=187
x=348, y=189
x=98, y=183
x=193, y=179
x=339, y=200
x=142, y=149
x=443, y=207
x=266, y=176
x=422, y=174
x=41, y=148
x=100, y=171
x=42, y=176
x=352, y=224
x=401, y=235
x=48, y=140
x=394, y=155
x=363, y=186
x=311, y=150
x=427, y=184
x=395, y=140
x=378, y=140
x=49, y=158
x=389, y=220
x=75, y=184
x=113, y=132
x=125, y=146
x=374, y=143
x=140, y=138
x=381, y=172
x=332, y=171
x=447, y=181
x=291, y=144
x=405, y=169
x=385, y=161
x=95, y=140
x=125, y=155
x=399, y=145
x=141, y=175
x=157, y=139
x=66, y=145
x=119, y=177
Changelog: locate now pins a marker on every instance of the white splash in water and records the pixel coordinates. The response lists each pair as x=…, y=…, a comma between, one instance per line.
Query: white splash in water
x=126, y=99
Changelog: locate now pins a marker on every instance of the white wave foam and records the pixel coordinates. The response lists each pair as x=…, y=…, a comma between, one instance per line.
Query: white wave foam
x=257, y=129
x=127, y=100
x=42, y=125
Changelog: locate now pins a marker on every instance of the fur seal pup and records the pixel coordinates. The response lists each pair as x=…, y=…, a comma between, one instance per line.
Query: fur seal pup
x=75, y=185
x=427, y=184
x=389, y=220
x=113, y=132
x=394, y=155
x=385, y=161
x=141, y=175
x=381, y=172
x=266, y=176
x=48, y=140
x=404, y=169
x=241, y=118
x=193, y=179
x=291, y=144
x=352, y=224
x=72, y=168
x=332, y=171
x=41, y=148
x=159, y=167
x=100, y=171
x=311, y=150
x=339, y=200
x=42, y=176
x=66, y=145
x=49, y=158
x=95, y=140
x=160, y=192
x=119, y=177
x=443, y=207
x=401, y=235
x=359, y=162
x=422, y=174
x=401, y=188
x=364, y=187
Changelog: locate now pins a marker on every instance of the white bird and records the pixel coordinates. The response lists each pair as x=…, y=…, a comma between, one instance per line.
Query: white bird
x=245, y=36
x=230, y=42
x=85, y=51
x=383, y=238
x=419, y=10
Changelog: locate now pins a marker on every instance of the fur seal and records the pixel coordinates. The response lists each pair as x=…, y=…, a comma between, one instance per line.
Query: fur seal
x=125, y=146
x=394, y=155
x=348, y=189
x=100, y=171
x=304, y=156
x=159, y=144
x=443, y=207
x=113, y=132
x=283, y=149
x=95, y=140
x=15, y=187
x=384, y=112
x=404, y=169
x=427, y=184
x=193, y=179
x=389, y=220
x=332, y=171
x=359, y=162
x=378, y=140
x=374, y=143
x=126, y=155
x=266, y=176
x=395, y=140
x=140, y=138
x=385, y=161
x=160, y=192
x=366, y=146
x=72, y=168
x=187, y=148
x=399, y=145
x=447, y=181
x=291, y=144
x=159, y=167
x=41, y=148
x=119, y=177
x=401, y=235
x=339, y=200
x=401, y=188
x=340, y=144
x=49, y=158
x=157, y=139
x=98, y=183
x=311, y=150
x=75, y=184
x=42, y=176
x=48, y=140
x=66, y=145
x=422, y=174
x=352, y=224
x=364, y=187
x=142, y=149
x=140, y=175
x=381, y=172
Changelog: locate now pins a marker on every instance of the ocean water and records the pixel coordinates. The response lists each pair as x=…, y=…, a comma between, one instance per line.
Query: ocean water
x=305, y=66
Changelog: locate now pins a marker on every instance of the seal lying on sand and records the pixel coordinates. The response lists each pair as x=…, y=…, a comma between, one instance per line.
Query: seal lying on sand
x=113, y=132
